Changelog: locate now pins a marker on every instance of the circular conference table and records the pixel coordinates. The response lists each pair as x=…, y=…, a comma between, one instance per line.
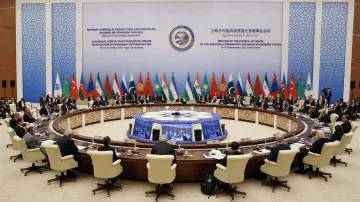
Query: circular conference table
x=189, y=169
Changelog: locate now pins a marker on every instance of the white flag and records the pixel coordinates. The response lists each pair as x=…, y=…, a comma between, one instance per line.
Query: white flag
x=57, y=87
x=308, y=88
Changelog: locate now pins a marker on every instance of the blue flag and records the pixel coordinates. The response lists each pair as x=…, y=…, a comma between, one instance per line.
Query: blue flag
x=205, y=87
x=157, y=87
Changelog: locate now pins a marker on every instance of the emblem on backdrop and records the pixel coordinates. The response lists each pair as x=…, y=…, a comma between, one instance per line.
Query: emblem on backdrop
x=181, y=38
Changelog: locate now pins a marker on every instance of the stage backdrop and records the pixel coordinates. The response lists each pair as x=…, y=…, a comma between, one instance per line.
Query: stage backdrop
x=182, y=37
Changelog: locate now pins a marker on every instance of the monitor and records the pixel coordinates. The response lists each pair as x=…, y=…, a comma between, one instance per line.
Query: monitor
x=142, y=129
x=177, y=132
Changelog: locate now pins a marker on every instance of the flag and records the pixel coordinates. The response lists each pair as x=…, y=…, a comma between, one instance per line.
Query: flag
x=205, y=87
x=222, y=85
x=239, y=88
x=266, y=90
x=148, y=85
x=173, y=89
x=197, y=89
x=164, y=87
x=188, y=94
x=308, y=89
x=132, y=86
x=214, y=90
x=74, y=90
x=57, y=87
x=230, y=87
x=99, y=87
x=274, y=87
x=257, y=88
x=65, y=88
x=91, y=89
x=123, y=85
x=140, y=86
x=292, y=87
x=115, y=86
x=283, y=91
x=157, y=87
x=301, y=88
x=107, y=88
x=82, y=90
x=248, y=87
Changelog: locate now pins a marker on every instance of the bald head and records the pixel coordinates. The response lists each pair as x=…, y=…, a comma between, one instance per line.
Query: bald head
x=27, y=110
x=320, y=134
x=17, y=115
x=279, y=138
x=163, y=138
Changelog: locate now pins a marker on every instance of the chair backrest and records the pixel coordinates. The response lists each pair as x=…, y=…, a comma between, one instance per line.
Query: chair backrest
x=301, y=103
x=12, y=134
x=327, y=152
x=236, y=165
x=59, y=107
x=247, y=100
x=7, y=122
x=333, y=118
x=160, y=168
x=28, y=105
x=354, y=127
x=54, y=155
x=23, y=148
x=345, y=140
x=284, y=160
x=12, y=107
x=102, y=162
x=90, y=103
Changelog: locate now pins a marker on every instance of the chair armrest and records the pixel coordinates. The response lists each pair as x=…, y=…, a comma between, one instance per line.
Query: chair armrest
x=33, y=150
x=173, y=167
x=148, y=166
x=221, y=167
x=270, y=162
x=117, y=162
x=314, y=154
x=67, y=157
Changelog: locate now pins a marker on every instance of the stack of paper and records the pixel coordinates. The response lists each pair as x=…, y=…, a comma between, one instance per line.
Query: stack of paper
x=326, y=129
x=296, y=145
x=262, y=151
x=48, y=142
x=81, y=147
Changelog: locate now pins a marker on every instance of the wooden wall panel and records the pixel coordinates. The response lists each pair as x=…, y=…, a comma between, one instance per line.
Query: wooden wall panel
x=355, y=63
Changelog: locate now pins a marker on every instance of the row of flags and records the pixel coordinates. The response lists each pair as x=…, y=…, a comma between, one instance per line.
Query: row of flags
x=191, y=92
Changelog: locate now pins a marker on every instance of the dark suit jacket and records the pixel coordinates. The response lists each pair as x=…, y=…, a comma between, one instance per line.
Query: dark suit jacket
x=64, y=109
x=12, y=122
x=290, y=110
x=275, y=151
x=96, y=104
x=107, y=148
x=266, y=105
x=318, y=145
x=42, y=101
x=43, y=111
x=67, y=146
x=336, y=136
x=182, y=100
x=164, y=148
x=28, y=118
x=346, y=126
x=224, y=161
x=91, y=98
x=20, y=131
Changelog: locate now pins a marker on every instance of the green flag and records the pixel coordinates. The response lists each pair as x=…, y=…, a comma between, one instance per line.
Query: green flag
x=230, y=86
x=132, y=88
x=65, y=88
x=301, y=88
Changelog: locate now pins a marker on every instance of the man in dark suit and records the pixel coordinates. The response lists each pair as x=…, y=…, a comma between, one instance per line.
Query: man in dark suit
x=327, y=95
x=320, y=103
x=42, y=100
x=289, y=108
x=290, y=100
x=21, y=105
x=163, y=148
x=233, y=151
x=28, y=116
x=19, y=130
x=154, y=98
x=238, y=102
x=117, y=99
x=274, y=152
x=13, y=120
x=65, y=108
x=91, y=97
x=162, y=98
x=180, y=100
x=279, y=102
x=264, y=104
x=315, y=148
x=207, y=97
x=103, y=100
x=346, y=125
x=58, y=100
x=96, y=103
x=343, y=105
x=45, y=110
x=124, y=99
x=107, y=147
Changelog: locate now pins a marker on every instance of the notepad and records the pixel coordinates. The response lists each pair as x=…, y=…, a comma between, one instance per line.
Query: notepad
x=81, y=147
x=48, y=142
x=218, y=157
x=296, y=145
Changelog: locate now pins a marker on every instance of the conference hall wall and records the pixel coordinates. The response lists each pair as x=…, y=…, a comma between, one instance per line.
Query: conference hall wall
x=107, y=36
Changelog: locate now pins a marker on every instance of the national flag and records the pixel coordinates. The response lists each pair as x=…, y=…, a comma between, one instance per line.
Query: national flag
x=115, y=86
x=99, y=87
x=164, y=87
x=230, y=86
x=123, y=85
x=107, y=88
x=132, y=86
x=222, y=85
x=148, y=85
x=257, y=89
x=188, y=94
x=248, y=87
x=173, y=94
x=157, y=87
x=205, y=86
x=239, y=88
x=214, y=90
x=91, y=89
x=283, y=91
x=301, y=88
x=82, y=90
x=274, y=87
x=197, y=87
x=65, y=88
x=57, y=87
x=74, y=90
x=266, y=90
x=292, y=87
x=308, y=89
x=140, y=86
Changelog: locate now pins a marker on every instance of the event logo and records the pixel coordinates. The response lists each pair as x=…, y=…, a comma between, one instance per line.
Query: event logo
x=181, y=38
x=222, y=87
x=57, y=86
x=308, y=87
x=205, y=86
x=157, y=86
x=140, y=86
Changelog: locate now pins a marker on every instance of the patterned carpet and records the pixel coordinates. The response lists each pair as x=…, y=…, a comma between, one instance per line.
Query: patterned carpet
x=14, y=186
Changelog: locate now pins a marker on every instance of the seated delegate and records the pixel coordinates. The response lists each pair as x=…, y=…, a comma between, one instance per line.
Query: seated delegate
x=346, y=125
x=234, y=150
x=274, y=152
x=19, y=129
x=107, y=147
x=163, y=148
x=339, y=132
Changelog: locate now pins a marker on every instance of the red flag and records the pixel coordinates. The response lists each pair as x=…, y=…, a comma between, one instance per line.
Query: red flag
x=74, y=92
x=223, y=85
x=148, y=85
x=257, y=90
x=292, y=87
x=283, y=88
x=107, y=88
x=214, y=88
x=140, y=87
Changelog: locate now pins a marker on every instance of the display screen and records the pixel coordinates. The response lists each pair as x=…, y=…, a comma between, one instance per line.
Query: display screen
x=142, y=129
x=177, y=132
x=211, y=129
